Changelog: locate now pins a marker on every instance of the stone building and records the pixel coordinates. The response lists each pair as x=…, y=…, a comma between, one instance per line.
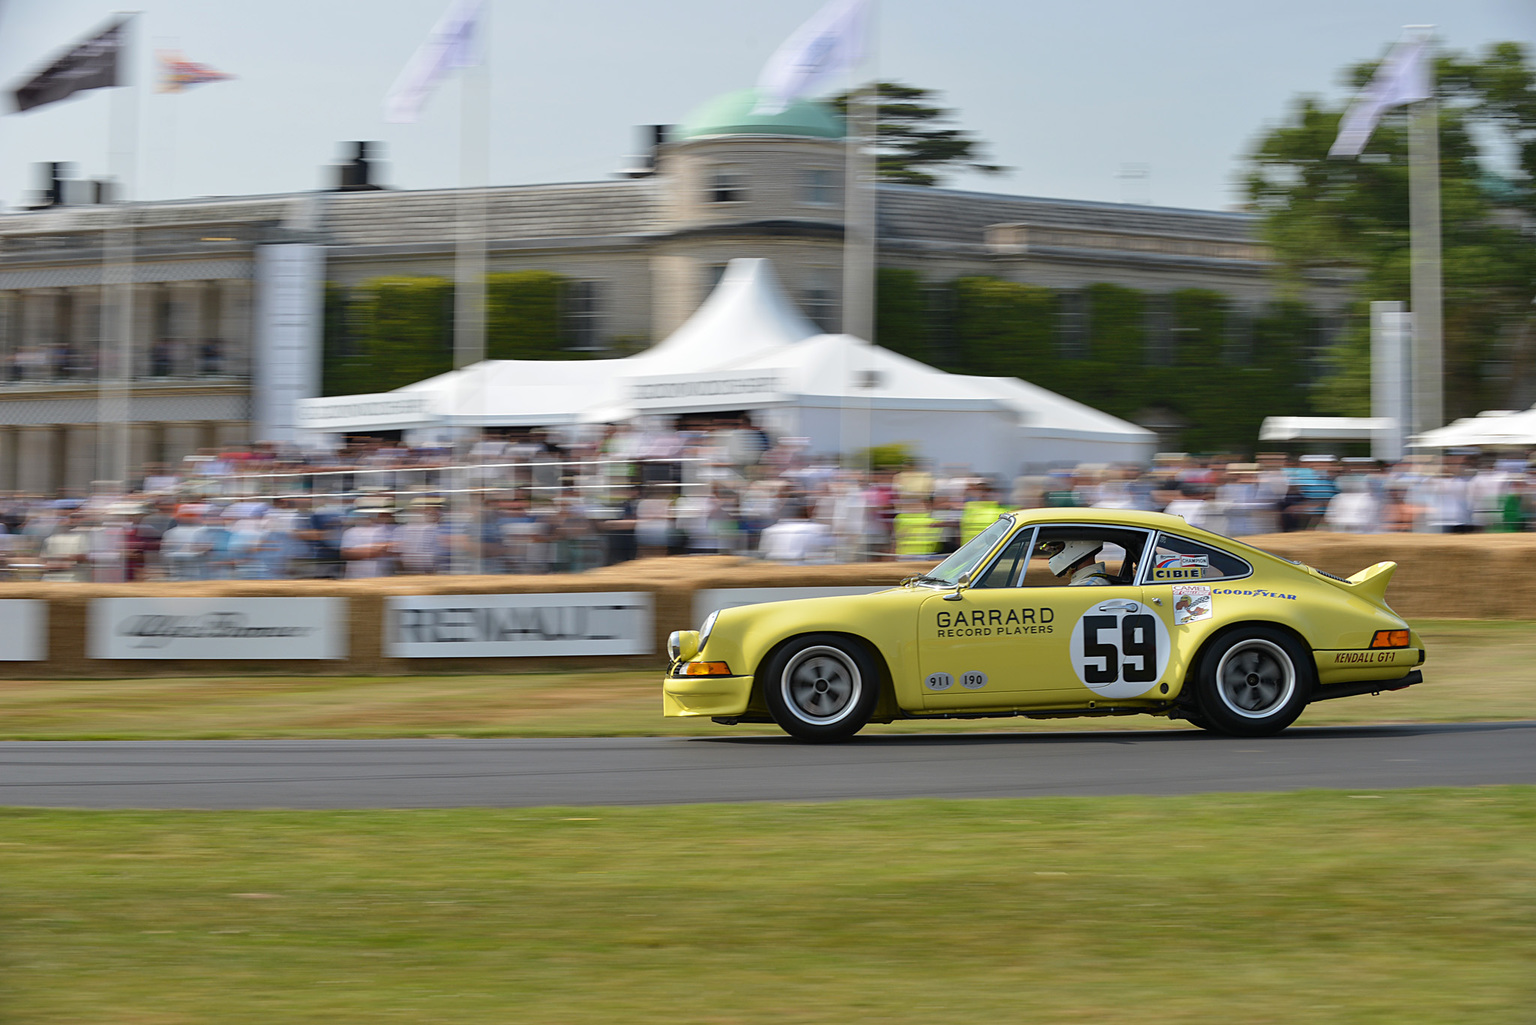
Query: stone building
x=227, y=309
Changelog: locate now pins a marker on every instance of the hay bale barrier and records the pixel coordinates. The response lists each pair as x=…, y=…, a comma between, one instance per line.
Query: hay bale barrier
x=1439, y=576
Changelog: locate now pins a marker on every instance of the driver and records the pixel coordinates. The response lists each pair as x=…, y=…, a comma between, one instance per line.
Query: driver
x=1076, y=558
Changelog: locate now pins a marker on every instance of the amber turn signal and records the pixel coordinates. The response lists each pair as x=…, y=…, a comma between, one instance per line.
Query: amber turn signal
x=706, y=669
x=1390, y=639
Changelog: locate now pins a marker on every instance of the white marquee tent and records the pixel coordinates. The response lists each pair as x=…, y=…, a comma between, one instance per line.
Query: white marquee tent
x=748, y=348
x=1492, y=428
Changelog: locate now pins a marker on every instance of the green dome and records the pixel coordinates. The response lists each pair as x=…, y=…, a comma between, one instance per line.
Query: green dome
x=731, y=114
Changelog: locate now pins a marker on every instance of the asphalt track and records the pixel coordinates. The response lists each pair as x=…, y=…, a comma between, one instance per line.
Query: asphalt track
x=658, y=770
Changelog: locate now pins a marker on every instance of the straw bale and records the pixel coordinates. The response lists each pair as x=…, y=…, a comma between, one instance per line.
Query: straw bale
x=1439, y=575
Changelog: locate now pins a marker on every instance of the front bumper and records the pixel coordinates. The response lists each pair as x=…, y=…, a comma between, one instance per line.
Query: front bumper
x=1346, y=690
x=705, y=695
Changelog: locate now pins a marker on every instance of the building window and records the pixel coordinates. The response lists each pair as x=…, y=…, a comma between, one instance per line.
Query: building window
x=727, y=186
x=581, y=316
x=818, y=187
x=819, y=301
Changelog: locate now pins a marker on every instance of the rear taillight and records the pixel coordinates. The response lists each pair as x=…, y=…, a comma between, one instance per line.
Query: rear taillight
x=1390, y=639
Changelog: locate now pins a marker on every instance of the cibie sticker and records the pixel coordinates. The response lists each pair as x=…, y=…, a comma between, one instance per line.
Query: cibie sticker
x=939, y=681
x=1191, y=604
x=1180, y=567
x=1119, y=649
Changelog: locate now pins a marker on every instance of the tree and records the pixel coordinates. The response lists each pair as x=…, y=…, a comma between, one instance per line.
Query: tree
x=913, y=145
x=1349, y=218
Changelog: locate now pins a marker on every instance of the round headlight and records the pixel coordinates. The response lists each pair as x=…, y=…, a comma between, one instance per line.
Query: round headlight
x=709, y=624
x=674, y=645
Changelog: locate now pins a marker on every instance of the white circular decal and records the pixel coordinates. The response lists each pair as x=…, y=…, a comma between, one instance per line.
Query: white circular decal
x=1119, y=649
x=973, y=680
x=939, y=681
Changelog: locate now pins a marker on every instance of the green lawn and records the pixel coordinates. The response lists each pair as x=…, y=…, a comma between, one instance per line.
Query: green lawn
x=1476, y=670
x=1317, y=907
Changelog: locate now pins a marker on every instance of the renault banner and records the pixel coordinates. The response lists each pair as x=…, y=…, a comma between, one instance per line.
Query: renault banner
x=500, y=625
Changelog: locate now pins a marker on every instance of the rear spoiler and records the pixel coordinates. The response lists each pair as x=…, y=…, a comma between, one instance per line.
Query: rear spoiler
x=1371, y=582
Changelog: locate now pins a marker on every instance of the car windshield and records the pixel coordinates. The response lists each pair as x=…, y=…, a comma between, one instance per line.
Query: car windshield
x=968, y=556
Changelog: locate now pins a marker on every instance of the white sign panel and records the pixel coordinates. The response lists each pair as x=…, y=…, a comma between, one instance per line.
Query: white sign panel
x=705, y=602
x=222, y=628
x=24, y=627
x=502, y=625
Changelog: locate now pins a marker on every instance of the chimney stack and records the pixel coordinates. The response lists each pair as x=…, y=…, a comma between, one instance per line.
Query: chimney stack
x=357, y=174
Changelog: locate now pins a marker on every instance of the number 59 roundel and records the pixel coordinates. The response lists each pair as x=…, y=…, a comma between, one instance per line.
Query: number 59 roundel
x=1119, y=649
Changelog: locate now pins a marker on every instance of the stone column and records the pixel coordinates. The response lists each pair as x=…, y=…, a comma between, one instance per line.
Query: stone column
x=80, y=464
x=235, y=313
x=182, y=438
x=146, y=299
x=7, y=459
x=231, y=434
x=143, y=448
x=36, y=460
x=37, y=332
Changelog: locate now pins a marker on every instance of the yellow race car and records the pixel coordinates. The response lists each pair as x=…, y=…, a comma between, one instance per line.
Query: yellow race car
x=1057, y=612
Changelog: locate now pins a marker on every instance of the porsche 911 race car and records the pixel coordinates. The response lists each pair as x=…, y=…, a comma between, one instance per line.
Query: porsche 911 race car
x=1057, y=612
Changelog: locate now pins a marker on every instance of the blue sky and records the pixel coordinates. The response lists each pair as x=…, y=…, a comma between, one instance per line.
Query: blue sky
x=1068, y=95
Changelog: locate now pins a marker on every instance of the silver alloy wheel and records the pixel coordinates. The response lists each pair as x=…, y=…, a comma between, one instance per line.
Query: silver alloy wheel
x=821, y=685
x=1255, y=678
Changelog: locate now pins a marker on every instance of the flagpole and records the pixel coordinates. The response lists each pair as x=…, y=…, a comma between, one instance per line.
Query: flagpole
x=469, y=284
x=859, y=227
x=114, y=394
x=1424, y=246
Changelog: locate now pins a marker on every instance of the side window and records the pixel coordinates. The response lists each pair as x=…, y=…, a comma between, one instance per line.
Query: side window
x=1085, y=555
x=1180, y=560
x=1007, y=570
x=727, y=186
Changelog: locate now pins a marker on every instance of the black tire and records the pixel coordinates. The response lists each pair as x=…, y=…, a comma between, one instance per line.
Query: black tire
x=1252, y=681
x=821, y=688
x=1194, y=718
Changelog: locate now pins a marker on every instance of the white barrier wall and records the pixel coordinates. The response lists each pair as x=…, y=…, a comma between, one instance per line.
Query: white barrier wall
x=501, y=625
x=23, y=630
x=259, y=629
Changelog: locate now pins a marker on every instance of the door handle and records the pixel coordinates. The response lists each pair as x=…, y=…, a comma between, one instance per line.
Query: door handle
x=1118, y=606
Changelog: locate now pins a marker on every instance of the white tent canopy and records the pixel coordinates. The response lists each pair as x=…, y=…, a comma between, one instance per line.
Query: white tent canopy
x=1492, y=428
x=748, y=348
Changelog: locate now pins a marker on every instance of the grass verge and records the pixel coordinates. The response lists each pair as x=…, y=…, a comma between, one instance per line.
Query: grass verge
x=1267, y=908
x=1478, y=670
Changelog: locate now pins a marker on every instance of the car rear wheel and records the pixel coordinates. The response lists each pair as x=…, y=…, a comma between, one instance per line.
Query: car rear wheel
x=821, y=688
x=1253, y=681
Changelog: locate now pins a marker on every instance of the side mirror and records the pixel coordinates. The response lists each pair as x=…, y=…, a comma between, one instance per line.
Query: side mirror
x=960, y=585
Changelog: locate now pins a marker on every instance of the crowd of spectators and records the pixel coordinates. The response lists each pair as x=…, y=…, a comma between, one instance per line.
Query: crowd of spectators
x=529, y=502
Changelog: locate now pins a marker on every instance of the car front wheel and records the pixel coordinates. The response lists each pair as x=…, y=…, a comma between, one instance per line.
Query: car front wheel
x=821, y=687
x=1253, y=681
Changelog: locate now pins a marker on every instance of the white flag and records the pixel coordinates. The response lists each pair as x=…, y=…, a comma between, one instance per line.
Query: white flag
x=830, y=44
x=1402, y=78
x=450, y=45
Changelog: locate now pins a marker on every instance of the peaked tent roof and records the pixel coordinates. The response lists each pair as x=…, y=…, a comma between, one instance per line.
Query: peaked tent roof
x=745, y=317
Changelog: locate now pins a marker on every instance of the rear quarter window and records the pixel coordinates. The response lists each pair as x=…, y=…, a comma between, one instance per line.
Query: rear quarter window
x=1177, y=560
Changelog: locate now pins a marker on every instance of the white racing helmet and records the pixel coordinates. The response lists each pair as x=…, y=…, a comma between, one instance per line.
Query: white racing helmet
x=1071, y=553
